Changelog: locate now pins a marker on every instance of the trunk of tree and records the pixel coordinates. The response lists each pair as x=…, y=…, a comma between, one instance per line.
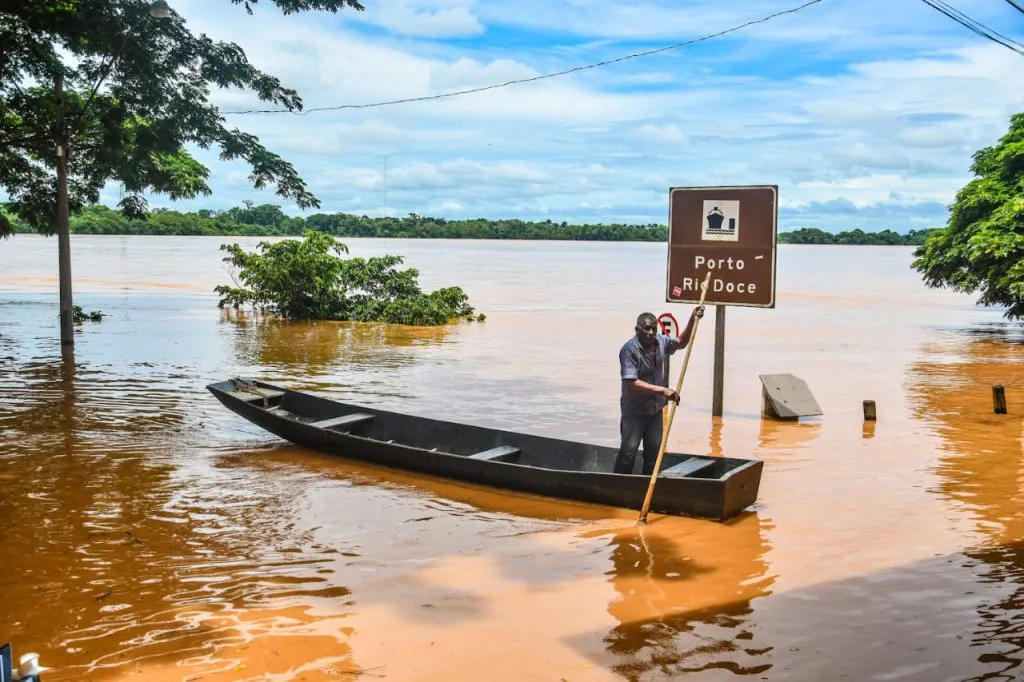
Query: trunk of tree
x=67, y=322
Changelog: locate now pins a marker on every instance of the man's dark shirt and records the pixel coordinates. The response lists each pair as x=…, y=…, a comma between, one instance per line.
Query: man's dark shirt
x=649, y=366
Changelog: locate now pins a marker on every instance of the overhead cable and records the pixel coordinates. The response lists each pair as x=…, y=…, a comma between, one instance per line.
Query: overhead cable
x=976, y=26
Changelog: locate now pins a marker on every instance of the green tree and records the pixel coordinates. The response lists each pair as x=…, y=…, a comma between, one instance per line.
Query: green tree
x=135, y=93
x=14, y=223
x=306, y=279
x=806, y=235
x=99, y=220
x=270, y=220
x=982, y=246
x=918, y=237
x=100, y=91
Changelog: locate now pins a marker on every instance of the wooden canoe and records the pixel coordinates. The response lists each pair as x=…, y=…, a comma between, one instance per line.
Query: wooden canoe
x=689, y=485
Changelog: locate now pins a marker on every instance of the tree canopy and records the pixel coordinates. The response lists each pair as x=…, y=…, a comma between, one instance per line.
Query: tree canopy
x=857, y=236
x=981, y=248
x=268, y=220
x=307, y=279
x=136, y=92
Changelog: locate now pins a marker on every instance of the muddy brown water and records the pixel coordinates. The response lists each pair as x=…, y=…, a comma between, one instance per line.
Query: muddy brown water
x=150, y=534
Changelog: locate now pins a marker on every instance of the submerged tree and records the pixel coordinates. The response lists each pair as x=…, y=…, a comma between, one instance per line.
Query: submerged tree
x=307, y=279
x=982, y=246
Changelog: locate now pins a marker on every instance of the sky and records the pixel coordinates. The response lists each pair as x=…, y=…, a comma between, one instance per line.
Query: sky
x=865, y=113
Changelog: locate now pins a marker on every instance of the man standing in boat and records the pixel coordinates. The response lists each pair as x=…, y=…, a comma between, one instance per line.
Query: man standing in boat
x=643, y=363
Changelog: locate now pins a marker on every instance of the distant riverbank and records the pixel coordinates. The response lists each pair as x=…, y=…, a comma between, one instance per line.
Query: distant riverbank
x=270, y=221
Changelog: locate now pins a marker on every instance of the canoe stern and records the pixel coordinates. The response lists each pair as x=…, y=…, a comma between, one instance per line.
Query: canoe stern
x=742, y=485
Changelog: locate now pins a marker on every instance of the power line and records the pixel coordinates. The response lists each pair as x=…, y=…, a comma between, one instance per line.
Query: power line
x=976, y=26
x=533, y=78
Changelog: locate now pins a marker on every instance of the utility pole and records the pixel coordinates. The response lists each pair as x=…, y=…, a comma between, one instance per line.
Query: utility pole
x=67, y=322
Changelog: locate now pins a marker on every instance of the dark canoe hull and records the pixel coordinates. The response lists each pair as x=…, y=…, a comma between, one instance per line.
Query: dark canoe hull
x=689, y=485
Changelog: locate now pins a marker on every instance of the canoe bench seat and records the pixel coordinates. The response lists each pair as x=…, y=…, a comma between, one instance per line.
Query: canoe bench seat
x=346, y=421
x=502, y=453
x=688, y=467
x=255, y=396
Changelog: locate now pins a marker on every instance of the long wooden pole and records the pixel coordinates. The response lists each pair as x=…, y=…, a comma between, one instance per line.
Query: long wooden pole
x=672, y=410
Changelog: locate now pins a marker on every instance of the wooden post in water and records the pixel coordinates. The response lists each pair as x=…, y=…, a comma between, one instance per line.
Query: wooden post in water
x=717, y=397
x=870, y=414
x=999, y=398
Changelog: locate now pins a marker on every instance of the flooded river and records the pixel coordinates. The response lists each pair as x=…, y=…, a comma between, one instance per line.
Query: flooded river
x=149, y=534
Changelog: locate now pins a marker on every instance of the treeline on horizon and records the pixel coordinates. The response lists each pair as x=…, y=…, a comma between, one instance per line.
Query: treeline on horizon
x=268, y=220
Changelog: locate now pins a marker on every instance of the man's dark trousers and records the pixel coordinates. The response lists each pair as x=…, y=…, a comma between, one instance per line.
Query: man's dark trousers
x=635, y=428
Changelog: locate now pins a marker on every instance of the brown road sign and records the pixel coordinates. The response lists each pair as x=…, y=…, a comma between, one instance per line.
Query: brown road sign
x=729, y=231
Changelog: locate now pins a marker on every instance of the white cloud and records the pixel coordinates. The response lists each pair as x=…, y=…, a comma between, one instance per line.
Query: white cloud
x=659, y=134
x=237, y=179
x=877, y=130
x=340, y=138
x=873, y=189
x=466, y=73
x=419, y=175
x=432, y=18
x=598, y=18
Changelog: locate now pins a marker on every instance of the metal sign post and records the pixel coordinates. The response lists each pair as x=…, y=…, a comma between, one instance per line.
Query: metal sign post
x=730, y=232
x=669, y=327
